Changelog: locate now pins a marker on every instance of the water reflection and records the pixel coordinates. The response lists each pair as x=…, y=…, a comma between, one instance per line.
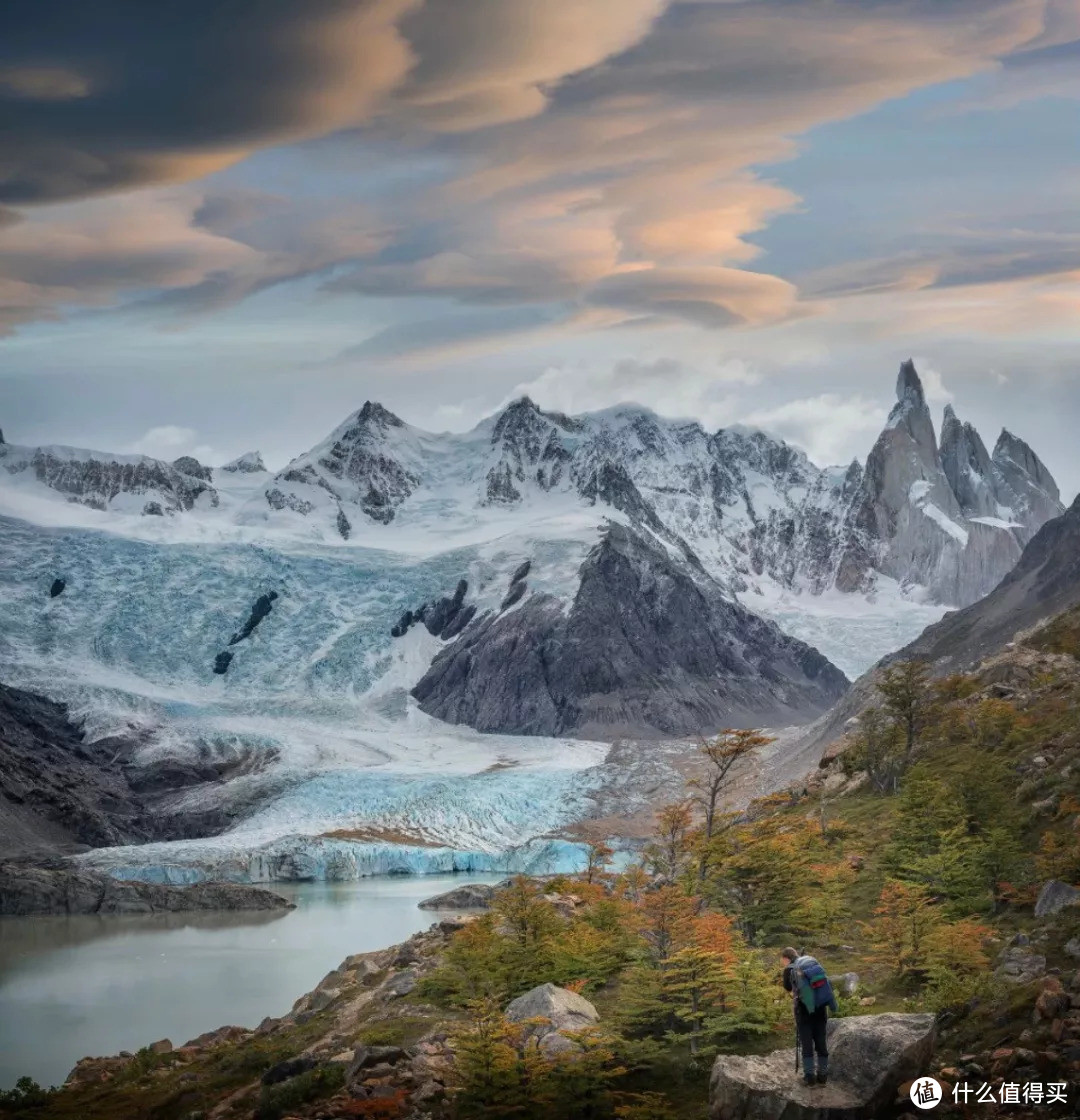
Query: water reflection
x=72, y=986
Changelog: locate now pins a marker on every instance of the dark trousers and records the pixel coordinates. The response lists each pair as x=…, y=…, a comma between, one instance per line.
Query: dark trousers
x=812, y=1027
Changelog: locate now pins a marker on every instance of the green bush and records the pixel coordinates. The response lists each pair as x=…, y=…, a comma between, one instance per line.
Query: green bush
x=276, y=1100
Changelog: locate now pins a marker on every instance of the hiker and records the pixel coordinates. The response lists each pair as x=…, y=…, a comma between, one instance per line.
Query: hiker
x=807, y=982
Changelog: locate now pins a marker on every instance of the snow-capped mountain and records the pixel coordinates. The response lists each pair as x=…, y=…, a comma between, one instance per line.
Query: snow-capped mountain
x=951, y=521
x=385, y=638
x=116, y=483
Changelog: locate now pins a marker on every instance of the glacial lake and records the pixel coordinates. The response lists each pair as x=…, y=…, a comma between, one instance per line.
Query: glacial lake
x=96, y=985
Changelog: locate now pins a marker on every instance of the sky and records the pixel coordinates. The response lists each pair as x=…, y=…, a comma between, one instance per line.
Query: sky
x=226, y=226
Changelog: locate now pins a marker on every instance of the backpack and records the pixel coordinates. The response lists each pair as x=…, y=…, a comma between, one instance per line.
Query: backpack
x=813, y=985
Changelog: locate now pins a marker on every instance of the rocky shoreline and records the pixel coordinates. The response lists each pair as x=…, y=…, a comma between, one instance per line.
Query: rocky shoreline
x=57, y=887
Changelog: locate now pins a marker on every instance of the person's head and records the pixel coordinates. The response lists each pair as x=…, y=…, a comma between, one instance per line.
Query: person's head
x=789, y=955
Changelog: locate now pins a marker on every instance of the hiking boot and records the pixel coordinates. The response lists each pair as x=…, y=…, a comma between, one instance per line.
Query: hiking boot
x=822, y=1078
x=809, y=1081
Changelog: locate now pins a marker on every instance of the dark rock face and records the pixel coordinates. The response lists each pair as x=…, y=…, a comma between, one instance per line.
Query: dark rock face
x=444, y=618
x=649, y=645
x=291, y=1067
x=57, y=588
x=96, y=480
x=222, y=662
x=514, y=595
x=1045, y=583
x=530, y=450
x=189, y=465
x=953, y=519
x=59, y=792
x=61, y=888
x=264, y=604
x=57, y=789
x=871, y=1057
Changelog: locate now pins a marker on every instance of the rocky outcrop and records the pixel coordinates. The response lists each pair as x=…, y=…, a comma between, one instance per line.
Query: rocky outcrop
x=473, y=896
x=871, y=1057
x=444, y=618
x=56, y=789
x=251, y=462
x=61, y=792
x=57, y=588
x=61, y=888
x=649, y=645
x=363, y=464
x=951, y=519
x=189, y=465
x=263, y=605
x=1044, y=584
x=1054, y=897
x=103, y=481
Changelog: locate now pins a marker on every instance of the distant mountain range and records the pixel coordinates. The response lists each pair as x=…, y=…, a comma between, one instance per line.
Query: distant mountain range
x=338, y=666
x=949, y=518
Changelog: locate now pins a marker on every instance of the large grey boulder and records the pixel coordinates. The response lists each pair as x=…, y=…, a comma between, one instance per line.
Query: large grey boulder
x=472, y=896
x=871, y=1056
x=560, y=1010
x=1054, y=897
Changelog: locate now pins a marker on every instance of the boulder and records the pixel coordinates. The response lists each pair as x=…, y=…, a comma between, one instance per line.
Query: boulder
x=472, y=896
x=291, y=1067
x=1020, y=965
x=366, y=1057
x=1072, y=947
x=871, y=1057
x=558, y=1008
x=849, y=983
x=1054, y=897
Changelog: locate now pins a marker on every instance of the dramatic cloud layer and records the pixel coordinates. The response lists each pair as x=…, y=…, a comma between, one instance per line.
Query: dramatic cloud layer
x=446, y=179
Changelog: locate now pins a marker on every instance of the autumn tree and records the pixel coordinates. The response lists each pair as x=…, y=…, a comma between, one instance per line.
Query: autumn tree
x=668, y=852
x=824, y=912
x=598, y=856
x=903, y=920
x=876, y=748
x=909, y=701
x=720, y=756
x=699, y=973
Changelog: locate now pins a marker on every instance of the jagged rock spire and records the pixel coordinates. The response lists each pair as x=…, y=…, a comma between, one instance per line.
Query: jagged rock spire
x=908, y=385
x=967, y=466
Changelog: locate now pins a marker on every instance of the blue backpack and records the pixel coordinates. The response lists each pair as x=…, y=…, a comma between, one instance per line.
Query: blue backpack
x=812, y=984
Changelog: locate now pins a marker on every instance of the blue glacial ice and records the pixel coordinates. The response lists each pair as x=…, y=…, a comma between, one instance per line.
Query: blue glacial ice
x=316, y=700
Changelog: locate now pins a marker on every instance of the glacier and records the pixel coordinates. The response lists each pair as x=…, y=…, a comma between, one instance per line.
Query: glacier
x=333, y=771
